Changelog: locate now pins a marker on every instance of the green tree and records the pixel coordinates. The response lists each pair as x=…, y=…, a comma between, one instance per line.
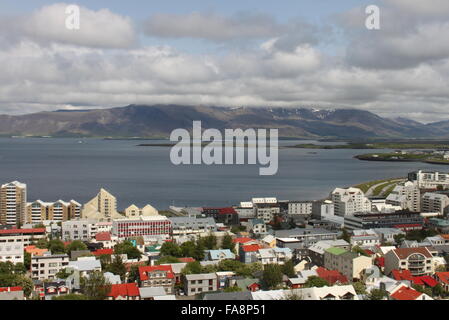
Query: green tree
x=438, y=291
x=315, y=282
x=377, y=294
x=19, y=268
x=227, y=243
x=105, y=259
x=345, y=235
x=167, y=260
x=27, y=260
x=42, y=243
x=56, y=246
x=117, y=267
x=133, y=275
x=359, y=250
x=209, y=242
x=126, y=247
x=272, y=275
x=63, y=274
x=232, y=289
x=289, y=269
x=359, y=287
x=76, y=245
x=192, y=268
x=96, y=286
x=17, y=280
x=170, y=249
x=199, y=251
x=188, y=249
x=422, y=289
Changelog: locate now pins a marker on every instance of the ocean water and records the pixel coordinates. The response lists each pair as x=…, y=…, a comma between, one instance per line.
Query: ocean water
x=66, y=169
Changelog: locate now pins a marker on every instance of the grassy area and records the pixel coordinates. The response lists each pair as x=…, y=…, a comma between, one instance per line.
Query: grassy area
x=389, y=190
x=378, y=190
x=367, y=185
x=392, y=157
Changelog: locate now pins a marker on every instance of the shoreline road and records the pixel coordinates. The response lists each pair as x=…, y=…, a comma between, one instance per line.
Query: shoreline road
x=387, y=184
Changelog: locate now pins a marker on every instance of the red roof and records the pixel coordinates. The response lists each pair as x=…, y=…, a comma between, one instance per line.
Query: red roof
x=380, y=261
x=406, y=293
x=411, y=225
x=186, y=260
x=251, y=248
x=101, y=252
x=124, y=290
x=242, y=240
x=402, y=275
x=331, y=276
x=103, y=236
x=254, y=286
x=404, y=253
x=369, y=252
x=144, y=270
x=426, y=280
x=443, y=277
x=22, y=231
x=9, y=289
x=228, y=210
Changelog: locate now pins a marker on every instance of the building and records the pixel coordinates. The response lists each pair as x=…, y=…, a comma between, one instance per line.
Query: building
x=407, y=196
x=157, y=276
x=417, y=260
x=86, y=265
x=257, y=226
x=39, y=211
x=387, y=234
x=429, y=179
x=266, y=211
x=227, y=216
x=24, y=236
x=11, y=293
x=322, y=209
x=245, y=210
x=125, y=291
x=200, y=283
x=400, y=219
x=102, y=207
x=365, y=238
x=435, y=202
x=306, y=236
x=218, y=255
x=192, y=226
x=134, y=211
x=248, y=253
x=300, y=207
x=350, y=201
x=47, y=266
x=13, y=199
x=83, y=230
x=274, y=255
x=142, y=226
x=12, y=252
x=316, y=251
x=348, y=263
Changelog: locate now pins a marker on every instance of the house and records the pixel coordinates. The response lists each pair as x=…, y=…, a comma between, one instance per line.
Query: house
x=364, y=238
x=229, y=296
x=106, y=239
x=11, y=293
x=443, y=279
x=157, y=276
x=257, y=226
x=339, y=292
x=403, y=292
x=101, y=252
x=125, y=291
x=199, y=283
x=331, y=276
x=218, y=255
x=245, y=284
x=227, y=216
x=248, y=253
x=48, y=290
x=269, y=241
x=35, y=251
x=349, y=263
x=417, y=260
x=86, y=265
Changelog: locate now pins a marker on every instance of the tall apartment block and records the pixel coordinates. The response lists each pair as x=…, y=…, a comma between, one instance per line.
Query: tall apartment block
x=13, y=199
x=39, y=211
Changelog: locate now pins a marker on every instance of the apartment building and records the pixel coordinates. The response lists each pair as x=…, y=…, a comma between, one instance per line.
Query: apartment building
x=306, y=236
x=13, y=199
x=348, y=263
x=102, y=207
x=417, y=260
x=142, y=226
x=227, y=216
x=365, y=238
x=350, y=201
x=435, y=202
x=83, y=230
x=39, y=211
x=430, y=179
x=300, y=208
x=192, y=226
x=399, y=219
x=134, y=211
x=157, y=276
x=200, y=283
x=12, y=252
x=316, y=251
x=24, y=236
x=274, y=255
x=407, y=196
x=47, y=266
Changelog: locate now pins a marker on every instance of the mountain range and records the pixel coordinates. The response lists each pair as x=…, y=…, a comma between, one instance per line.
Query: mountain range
x=157, y=121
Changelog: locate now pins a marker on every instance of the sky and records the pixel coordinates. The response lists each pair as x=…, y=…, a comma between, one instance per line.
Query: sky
x=227, y=53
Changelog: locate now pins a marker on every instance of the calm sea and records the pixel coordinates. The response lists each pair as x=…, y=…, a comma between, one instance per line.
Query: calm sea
x=66, y=169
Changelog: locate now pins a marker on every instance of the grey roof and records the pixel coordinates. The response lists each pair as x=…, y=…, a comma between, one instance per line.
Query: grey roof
x=201, y=276
x=192, y=222
x=85, y=265
x=150, y=292
x=229, y=296
x=300, y=232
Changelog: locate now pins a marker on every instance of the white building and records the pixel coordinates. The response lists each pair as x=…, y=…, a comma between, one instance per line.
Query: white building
x=300, y=207
x=435, y=202
x=350, y=201
x=430, y=179
x=83, y=230
x=365, y=238
x=13, y=199
x=47, y=266
x=407, y=196
x=12, y=252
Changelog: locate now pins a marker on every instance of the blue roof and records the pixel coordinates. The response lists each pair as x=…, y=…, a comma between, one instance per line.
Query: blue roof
x=221, y=254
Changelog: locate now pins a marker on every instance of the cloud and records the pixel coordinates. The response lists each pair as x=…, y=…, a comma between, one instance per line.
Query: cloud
x=98, y=29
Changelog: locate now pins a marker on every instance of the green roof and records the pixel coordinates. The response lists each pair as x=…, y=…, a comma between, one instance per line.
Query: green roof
x=336, y=251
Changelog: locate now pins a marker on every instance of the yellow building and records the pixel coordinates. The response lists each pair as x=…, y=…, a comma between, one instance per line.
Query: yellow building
x=134, y=211
x=38, y=211
x=13, y=203
x=102, y=207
